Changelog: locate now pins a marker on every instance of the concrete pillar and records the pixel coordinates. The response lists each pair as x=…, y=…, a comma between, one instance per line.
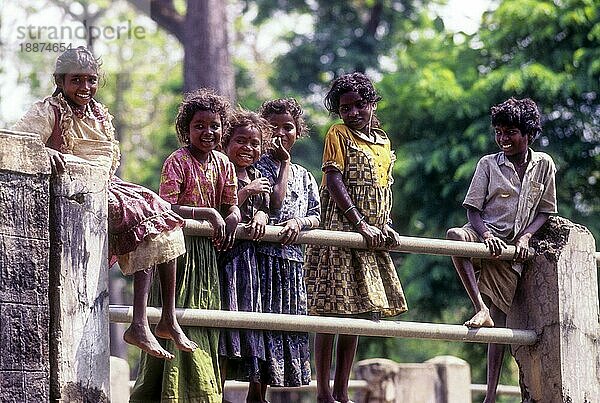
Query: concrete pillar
x=383, y=378
x=119, y=380
x=439, y=380
x=79, y=353
x=24, y=242
x=558, y=298
x=454, y=375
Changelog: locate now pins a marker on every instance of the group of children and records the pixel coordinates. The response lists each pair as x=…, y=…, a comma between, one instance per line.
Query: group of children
x=234, y=167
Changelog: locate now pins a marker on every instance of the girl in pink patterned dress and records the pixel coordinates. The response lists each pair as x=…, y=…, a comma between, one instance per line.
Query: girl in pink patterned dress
x=143, y=231
x=200, y=183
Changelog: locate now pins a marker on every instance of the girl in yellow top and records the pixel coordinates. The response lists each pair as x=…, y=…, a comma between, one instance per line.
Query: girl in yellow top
x=355, y=196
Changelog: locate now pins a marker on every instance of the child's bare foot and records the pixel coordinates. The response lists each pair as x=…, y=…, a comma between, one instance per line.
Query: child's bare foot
x=141, y=337
x=174, y=332
x=481, y=319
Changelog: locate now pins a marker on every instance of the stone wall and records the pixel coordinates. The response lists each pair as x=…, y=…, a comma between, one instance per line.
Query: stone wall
x=24, y=252
x=558, y=298
x=79, y=353
x=53, y=276
x=443, y=379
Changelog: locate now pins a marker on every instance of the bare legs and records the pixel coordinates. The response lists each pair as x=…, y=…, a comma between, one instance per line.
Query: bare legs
x=256, y=392
x=466, y=272
x=345, y=351
x=139, y=333
x=323, y=356
x=223, y=371
x=484, y=316
x=494, y=358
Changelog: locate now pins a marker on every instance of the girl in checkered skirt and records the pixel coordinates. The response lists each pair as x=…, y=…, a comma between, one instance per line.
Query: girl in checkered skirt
x=355, y=196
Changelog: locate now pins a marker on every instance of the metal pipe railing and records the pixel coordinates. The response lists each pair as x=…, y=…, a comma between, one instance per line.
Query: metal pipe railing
x=359, y=384
x=355, y=240
x=430, y=246
x=506, y=390
x=333, y=325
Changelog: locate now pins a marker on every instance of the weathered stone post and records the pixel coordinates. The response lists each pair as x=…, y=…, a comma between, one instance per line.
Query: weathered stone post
x=558, y=298
x=79, y=354
x=443, y=379
x=24, y=241
x=454, y=375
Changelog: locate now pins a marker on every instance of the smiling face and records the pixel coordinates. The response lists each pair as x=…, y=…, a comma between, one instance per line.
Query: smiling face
x=284, y=128
x=511, y=140
x=244, y=146
x=81, y=87
x=205, y=131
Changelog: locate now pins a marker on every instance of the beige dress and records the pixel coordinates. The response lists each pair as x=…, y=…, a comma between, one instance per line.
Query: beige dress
x=140, y=241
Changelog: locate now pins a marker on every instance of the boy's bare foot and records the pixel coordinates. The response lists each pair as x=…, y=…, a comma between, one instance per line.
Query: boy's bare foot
x=481, y=319
x=141, y=337
x=175, y=333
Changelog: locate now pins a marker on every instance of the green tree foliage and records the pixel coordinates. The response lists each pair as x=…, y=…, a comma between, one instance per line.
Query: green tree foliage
x=436, y=108
x=556, y=63
x=348, y=36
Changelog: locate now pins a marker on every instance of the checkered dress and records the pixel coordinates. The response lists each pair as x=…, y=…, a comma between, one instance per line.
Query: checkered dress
x=342, y=281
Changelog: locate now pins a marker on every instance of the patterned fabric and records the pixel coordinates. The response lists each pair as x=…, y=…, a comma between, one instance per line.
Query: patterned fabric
x=283, y=290
x=191, y=377
x=301, y=200
x=378, y=150
x=282, y=279
x=240, y=291
x=509, y=205
x=253, y=203
x=134, y=214
x=188, y=377
x=137, y=216
x=344, y=281
x=188, y=182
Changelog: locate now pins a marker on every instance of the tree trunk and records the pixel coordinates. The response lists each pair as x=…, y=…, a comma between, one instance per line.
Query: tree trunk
x=206, y=46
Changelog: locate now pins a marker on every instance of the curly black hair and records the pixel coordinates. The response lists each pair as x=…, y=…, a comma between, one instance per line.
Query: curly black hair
x=245, y=118
x=286, y=105
x=203, y=99
x=520, y=113
x=71, y=61
x=353, y=82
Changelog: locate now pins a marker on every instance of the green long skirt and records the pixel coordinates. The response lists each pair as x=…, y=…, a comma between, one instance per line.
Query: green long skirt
x=188, y=377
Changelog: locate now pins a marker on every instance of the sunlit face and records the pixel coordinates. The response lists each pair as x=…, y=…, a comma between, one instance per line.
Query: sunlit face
x=244, y=146
x=284, y=128
x=355, y=111
x=205, y=131
x=80, y=87
x=511, y=140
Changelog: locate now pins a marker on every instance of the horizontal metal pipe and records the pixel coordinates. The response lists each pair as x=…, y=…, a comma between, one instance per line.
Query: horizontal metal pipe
x=430, y=246
x=506, y=390
x=359, y=384
x=322, y=324
x=238, y=386
x=356, y=241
